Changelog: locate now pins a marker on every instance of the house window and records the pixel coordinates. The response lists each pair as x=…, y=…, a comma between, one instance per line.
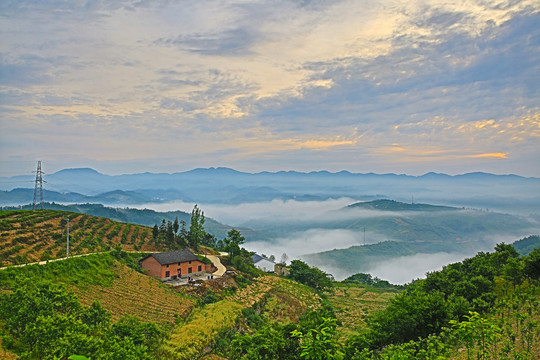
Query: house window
x=190, y=263
x=179, y=264
x=200, y=268
x=189, y=271
x=167, y=265
x=167, y=273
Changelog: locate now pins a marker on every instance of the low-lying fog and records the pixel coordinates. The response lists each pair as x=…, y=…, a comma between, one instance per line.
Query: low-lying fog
x=236, y=215
x=397, y=270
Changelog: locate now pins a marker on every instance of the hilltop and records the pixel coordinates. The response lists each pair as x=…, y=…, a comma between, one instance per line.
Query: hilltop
x=392, y=205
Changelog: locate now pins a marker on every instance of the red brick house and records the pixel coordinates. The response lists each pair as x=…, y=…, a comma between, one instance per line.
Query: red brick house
x=173, y=263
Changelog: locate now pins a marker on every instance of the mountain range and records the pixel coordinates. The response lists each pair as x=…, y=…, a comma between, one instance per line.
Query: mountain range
x=508, y=193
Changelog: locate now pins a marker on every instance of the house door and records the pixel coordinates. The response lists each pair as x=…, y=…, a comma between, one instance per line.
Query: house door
x=167, y=273
x=179, y=272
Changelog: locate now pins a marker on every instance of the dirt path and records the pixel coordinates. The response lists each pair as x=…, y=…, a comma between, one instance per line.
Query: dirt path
x=46, y=261
x=217, y=263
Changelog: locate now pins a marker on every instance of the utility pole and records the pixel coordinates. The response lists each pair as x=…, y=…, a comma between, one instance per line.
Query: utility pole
x=38, y=188
x=67, y=248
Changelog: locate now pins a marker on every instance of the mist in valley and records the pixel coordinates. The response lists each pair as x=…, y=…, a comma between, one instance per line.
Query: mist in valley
x=276, y=215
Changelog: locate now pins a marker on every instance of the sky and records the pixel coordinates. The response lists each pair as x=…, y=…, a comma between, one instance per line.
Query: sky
x=366, y=86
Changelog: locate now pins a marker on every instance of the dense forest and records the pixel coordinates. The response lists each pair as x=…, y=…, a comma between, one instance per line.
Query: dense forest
x=103, y=306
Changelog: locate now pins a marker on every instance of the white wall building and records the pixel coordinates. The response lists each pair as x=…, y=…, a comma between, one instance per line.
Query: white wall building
x=263, y=263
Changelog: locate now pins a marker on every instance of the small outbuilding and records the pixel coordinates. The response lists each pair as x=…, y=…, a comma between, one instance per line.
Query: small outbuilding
x=263, y=263
x=175, y=264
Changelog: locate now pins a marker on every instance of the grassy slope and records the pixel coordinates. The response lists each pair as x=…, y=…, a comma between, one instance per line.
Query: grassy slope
x=281, y=300
x=120, y=289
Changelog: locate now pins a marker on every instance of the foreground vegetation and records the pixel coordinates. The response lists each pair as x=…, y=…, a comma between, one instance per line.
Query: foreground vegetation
x=103, y=307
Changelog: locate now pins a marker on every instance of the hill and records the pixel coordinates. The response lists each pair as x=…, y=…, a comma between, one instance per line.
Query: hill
x=392, y=205
x=486, y=306
x=119, y=288
x=388, y=220
x=401, y=229
x=527, y=245
x=28, y=236
x=143, y=217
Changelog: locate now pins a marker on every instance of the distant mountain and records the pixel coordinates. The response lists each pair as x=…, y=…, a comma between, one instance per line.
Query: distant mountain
x=392, y=205
x=508, y=193
x=116, y=197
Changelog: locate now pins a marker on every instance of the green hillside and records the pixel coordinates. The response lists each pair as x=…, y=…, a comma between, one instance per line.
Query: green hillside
x=102, y=306
x=144, y=217
x=527, y=245
x=29, y=236
x=98, y=306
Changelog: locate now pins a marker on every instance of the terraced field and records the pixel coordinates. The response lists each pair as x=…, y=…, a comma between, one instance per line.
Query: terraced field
x=353, y=303
x=283, y=301
x=28, y=236
x=132, y=293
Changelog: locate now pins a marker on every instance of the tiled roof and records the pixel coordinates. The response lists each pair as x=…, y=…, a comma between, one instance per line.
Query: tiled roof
x=172, y=257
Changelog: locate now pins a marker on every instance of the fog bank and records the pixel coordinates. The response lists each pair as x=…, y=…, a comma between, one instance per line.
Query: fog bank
x=274, y=211
x=310, y=241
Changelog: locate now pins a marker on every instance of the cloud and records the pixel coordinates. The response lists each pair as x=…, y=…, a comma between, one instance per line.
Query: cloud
x=490, y=155
x=307, y=84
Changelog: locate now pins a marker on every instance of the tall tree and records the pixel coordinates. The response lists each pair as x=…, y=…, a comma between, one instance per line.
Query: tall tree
x=233, y=241
x=176, y=225
x=196, y=227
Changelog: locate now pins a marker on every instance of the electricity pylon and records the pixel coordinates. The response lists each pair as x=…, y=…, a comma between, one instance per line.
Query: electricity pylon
x=38, y=189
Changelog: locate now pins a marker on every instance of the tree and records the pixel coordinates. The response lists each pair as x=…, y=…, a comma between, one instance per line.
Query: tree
x=284, y=259
x=311, y=276
x=176, y=225
x=196, y=227
x=320, y=343
x=532, y=265
x=155, y=232
x=170, y=233
x=233, y=241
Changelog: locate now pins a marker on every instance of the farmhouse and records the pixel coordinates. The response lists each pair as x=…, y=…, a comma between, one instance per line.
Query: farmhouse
x=173, y=264
x=263, y=263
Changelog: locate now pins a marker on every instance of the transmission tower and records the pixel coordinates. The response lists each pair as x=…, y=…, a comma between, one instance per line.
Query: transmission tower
x=38, y=189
